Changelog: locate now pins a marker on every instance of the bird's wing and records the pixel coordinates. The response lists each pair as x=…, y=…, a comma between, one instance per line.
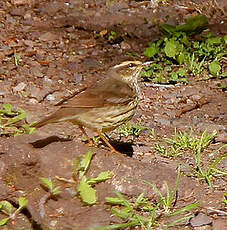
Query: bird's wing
x=108, y=92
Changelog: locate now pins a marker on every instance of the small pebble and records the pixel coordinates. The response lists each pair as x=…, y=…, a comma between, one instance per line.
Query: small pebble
x=19, y=87
x=50, y=97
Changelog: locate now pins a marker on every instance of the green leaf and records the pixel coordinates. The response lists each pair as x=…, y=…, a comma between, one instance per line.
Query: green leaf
x=87, y=193
x=123, y=213
x=76, y=165
x=22, y=202
x=103, y=176
x=185, y=209
x=85, y=162
x=181, y=72
x=112, y=36
x=141, y=200
x=47, y=183
x=214, y=41
x=4, y=221
x=20, y=117
x=28, y=129
x=224, y=200
x=184, y=39
x=8, y=108
x=167, y=29
x=225, y=39
x=56, y=191
x=223, y=75
x=151, y=51
x=194, y=25
x=214, y=68
x=173, y=77
x=118, y=226
x=114, y=201
x=170, y=49
x=6, y=207
x=50, y=186
x=184, y=219
x=125, y=201
x=180, y=58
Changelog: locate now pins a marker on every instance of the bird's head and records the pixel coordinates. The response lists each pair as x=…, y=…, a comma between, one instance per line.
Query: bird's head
x=127, y=71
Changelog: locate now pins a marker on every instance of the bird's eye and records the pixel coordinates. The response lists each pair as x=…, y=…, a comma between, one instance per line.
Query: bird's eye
x=131, y=65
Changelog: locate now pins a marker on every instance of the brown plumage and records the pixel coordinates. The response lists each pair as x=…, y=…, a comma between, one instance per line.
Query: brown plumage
x=104, y=106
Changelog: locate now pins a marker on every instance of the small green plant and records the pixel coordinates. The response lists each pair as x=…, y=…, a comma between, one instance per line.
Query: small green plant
x=178, y=76
x=177, y=55
x=195, y=66
x=49, y=186
x=163, y=151
x=175, y=145
x=224, y=200
x=153, y=134
x=168, y=200
x=95, y=140
x=9, y=120
x=209, y=172
x=147, y=214
x=85, y=185
x=128, y=129
x=112, y=36
x=53, y=193
x=181, y=141
x=222, y=86
x=8, y=209
x=215, y=68
x=17, y=58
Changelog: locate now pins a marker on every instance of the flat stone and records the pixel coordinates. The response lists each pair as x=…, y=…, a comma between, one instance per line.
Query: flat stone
x=19, y=87
x=200, y=220
x=48, y=36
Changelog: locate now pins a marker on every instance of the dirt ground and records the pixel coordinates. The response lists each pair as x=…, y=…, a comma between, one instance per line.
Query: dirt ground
x=63, y=47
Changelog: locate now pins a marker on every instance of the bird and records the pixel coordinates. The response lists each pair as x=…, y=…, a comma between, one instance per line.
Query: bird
x=105, y=105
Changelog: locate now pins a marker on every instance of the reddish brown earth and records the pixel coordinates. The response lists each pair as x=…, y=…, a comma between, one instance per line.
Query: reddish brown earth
x=63, y=46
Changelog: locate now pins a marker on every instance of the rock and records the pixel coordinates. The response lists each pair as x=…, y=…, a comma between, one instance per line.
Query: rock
x=48, y=36
x=19, y=87
x=2, y=167
x=78, y=78
x=36, y=71
x=125, y=46
x=33, y=101
x=50, y=97
x=28, y=43
x=91, y=63
x=47, y=80
x=200, y=220
x=221, y=137
x=21, y=2
x=17, y=12
x=219, y=224
x=35, y=92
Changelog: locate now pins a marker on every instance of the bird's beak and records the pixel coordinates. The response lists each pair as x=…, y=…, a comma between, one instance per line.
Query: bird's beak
x=147, y=63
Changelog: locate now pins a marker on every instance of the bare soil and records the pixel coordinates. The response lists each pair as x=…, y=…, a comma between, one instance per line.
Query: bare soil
x=63, y=47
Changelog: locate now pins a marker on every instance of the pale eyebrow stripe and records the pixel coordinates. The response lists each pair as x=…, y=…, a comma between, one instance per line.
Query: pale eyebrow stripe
x=126, y=63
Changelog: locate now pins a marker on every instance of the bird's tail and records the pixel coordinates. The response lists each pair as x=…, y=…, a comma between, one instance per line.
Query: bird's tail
x=63, y=114
x=45, y=121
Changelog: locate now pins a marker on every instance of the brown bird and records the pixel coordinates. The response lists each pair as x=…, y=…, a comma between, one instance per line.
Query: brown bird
x=106, y=105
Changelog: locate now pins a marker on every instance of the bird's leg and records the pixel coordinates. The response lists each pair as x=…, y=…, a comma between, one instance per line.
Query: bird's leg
x=108, y=143
x=90, y=141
